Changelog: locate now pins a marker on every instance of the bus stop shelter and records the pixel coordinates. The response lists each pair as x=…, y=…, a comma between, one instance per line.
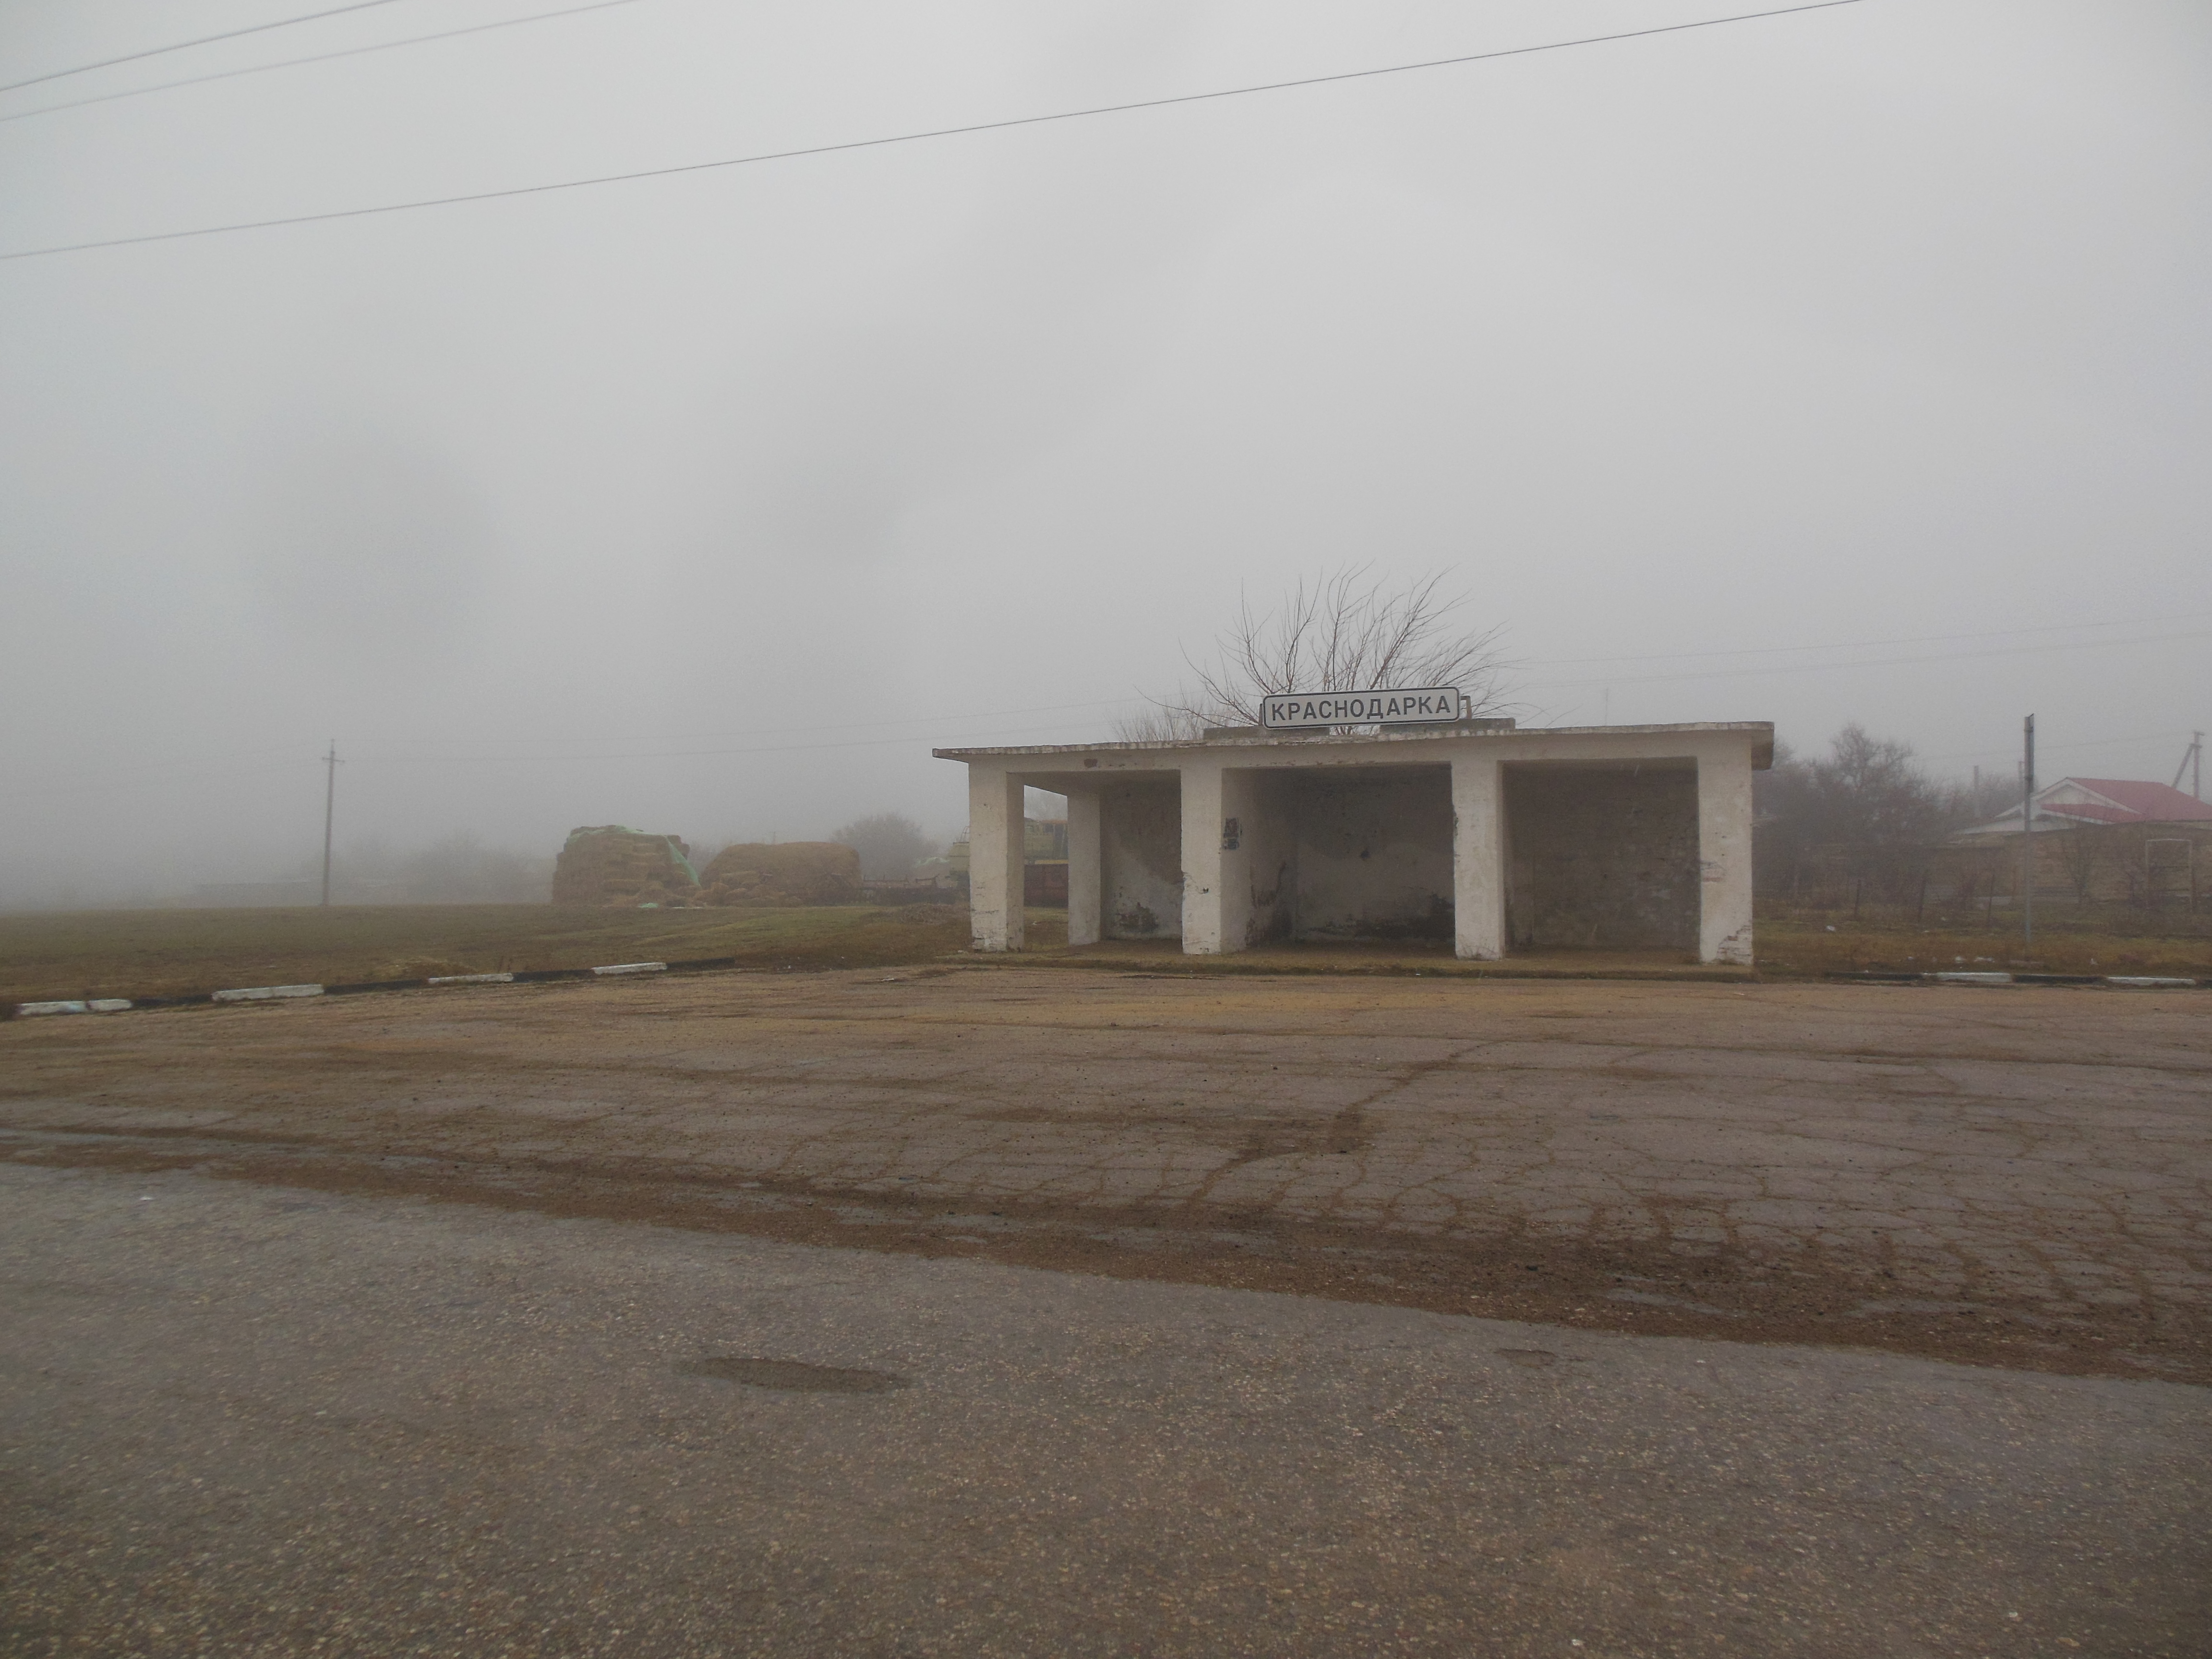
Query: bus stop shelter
x=1496, y=838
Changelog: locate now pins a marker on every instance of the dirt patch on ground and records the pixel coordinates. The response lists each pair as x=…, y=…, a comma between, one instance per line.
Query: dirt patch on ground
x=2019, y=1177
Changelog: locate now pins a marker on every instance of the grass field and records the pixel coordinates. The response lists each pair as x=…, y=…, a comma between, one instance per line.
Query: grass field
x=1803, y=950
x=171, y=952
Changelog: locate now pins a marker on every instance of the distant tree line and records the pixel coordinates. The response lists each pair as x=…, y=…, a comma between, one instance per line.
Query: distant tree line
x=1859, y=824
x=889, y=844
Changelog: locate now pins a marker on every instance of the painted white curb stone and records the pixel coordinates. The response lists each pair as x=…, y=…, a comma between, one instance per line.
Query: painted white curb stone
x=634, y=968
x=29, y=1010
x=109, y=1004
x=2141, y=981
x=264, y=993
x=472, y=979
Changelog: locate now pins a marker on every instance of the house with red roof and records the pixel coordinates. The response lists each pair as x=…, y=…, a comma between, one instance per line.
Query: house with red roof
x=2112, y=841
x=2075, y=801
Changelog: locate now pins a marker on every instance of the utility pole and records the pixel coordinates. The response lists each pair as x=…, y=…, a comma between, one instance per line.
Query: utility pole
x=2192, y=762
x=330, y=801
x=2028, y=836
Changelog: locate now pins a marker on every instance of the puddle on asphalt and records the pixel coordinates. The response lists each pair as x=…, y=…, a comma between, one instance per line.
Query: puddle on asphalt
x=793, y=1375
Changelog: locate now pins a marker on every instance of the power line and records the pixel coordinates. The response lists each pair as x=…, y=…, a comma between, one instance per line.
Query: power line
x=872, y=742
x=1879, y=662
x=911, y=138
x=1870, y=645
x=950, y=719
x=316, y=57
x=2056, y=747
x=870, y=722
x=181, y=45
x=109, y=785
x=302, y=761
x=674, y=754
x=300, y=758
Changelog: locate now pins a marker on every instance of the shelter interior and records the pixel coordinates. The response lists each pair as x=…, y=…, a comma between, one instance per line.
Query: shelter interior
x=1599, y=856
x=1140, y=857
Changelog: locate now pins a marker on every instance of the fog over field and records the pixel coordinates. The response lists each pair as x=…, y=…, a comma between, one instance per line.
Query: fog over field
x=1854, y=364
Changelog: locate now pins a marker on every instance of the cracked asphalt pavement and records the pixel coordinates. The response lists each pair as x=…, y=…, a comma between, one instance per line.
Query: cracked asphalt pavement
x=998, y=1311
x=2022, y=1176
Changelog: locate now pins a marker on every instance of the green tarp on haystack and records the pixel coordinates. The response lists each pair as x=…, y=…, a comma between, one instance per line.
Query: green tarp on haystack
x=614, y=865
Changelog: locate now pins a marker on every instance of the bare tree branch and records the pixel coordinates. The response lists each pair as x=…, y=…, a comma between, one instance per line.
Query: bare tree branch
x=1158, y=724
x=1342, y=631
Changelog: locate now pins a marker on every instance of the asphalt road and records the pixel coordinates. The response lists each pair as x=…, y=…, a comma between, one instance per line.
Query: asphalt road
x=244, y=1420
x=2018, y=1177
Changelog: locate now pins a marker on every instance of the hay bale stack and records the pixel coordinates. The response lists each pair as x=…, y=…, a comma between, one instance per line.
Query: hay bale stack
x=785, y=873
x=613, y=864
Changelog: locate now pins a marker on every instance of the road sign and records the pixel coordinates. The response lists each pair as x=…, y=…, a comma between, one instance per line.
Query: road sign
x=1428, y=706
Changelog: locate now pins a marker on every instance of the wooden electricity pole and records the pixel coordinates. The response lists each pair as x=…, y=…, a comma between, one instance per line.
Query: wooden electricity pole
x=330, y=801
x=2193, y=763
x=2028, y=836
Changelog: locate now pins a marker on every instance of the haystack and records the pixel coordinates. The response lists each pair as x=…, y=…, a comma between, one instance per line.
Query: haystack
x=785, y=873
x=615, y=865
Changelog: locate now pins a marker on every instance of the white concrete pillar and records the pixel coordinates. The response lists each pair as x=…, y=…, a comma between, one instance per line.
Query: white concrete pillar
x=1238, y=823
x=1263, y=883
x=1086, y=868
x=1202, y=875
x=1724, y=856
x=1478, y=788
x=994, y=859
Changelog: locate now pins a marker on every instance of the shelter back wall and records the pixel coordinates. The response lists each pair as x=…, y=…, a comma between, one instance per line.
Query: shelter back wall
x=1603, y=858
x=1375, y=854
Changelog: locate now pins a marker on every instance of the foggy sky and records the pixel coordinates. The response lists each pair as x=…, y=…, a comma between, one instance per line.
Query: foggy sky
x=1713, y=365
